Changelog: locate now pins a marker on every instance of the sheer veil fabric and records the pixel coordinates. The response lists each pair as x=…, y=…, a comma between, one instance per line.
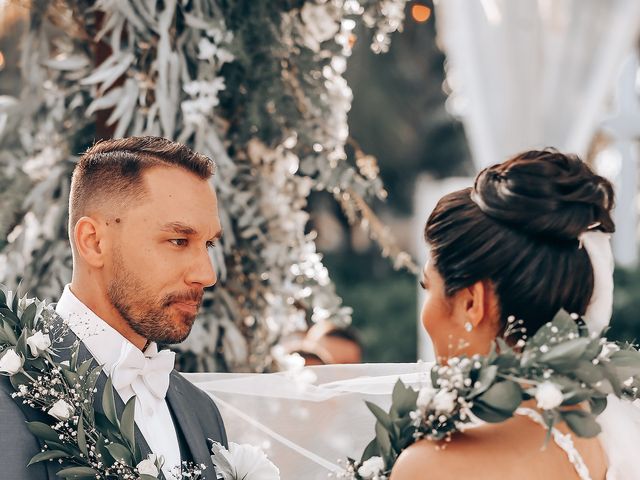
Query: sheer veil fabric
x=307, y=425
x=309, y=420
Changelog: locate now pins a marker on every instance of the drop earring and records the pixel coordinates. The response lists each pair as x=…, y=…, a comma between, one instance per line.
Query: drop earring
x=468, y=327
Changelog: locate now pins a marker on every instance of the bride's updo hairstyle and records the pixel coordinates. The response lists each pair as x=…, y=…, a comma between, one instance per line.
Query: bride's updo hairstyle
x=518, y=227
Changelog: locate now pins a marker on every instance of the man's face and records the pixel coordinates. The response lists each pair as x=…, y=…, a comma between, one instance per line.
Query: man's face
x=158, y=264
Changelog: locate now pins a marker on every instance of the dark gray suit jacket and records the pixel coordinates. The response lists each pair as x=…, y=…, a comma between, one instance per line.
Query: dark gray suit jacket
x=196, y=419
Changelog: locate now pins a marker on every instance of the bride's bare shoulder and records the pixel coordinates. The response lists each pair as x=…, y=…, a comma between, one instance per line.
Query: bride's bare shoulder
x=459, y=459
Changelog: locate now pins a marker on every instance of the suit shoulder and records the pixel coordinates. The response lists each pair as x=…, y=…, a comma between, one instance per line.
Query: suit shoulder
x=185, y=385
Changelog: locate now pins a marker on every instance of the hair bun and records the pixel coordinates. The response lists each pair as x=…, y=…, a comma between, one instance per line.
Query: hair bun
x=545, y=193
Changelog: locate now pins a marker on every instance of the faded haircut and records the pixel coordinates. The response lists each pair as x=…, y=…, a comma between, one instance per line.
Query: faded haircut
x=111, y=170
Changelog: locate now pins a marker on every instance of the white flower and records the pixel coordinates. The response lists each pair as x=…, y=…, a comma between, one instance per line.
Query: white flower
x=371, y=468
x=445, y=401
x=61, y=410
x=425, y=396
x=38, y=343
x=148, y=466
x=548, y=395
x=243, y=462
x=11, y=362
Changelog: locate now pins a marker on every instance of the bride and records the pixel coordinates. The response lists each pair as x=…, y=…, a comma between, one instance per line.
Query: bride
x=514, y=244
x=531, y=237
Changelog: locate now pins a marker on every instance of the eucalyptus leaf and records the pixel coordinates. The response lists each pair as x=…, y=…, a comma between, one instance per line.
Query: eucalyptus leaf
x=109, y=403
x=127, y=424
x=582, y=423
x=371, y=450
x=43, y=431
x=503, y=396
x=47, y=455
x=120, y=452
x=403, y=398
x=77, y=472
x=382, y=416
x=81, y=437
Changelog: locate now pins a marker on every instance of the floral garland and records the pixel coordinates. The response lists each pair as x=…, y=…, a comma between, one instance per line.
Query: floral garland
x=560, y=367
x=87, y=443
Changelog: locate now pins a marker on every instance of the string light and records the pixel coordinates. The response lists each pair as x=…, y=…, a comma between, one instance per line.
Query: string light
x=420, y=13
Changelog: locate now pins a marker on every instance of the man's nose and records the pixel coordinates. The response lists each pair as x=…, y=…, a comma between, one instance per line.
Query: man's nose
x=202, y=271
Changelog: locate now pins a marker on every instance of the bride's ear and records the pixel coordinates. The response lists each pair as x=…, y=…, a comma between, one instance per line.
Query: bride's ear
x=478, y=304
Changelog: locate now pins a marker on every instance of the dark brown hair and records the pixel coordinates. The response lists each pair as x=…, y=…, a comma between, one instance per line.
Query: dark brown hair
x=112, y=169
x=518, y=227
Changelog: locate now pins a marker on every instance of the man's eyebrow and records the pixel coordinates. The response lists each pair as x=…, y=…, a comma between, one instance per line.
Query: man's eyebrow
x=184, y=229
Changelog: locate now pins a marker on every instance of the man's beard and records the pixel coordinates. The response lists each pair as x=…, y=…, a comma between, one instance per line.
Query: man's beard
x=147, y=316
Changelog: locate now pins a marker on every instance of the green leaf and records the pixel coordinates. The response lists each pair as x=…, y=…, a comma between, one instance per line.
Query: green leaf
x=21, y=344
x=127, y=424
x=488, y=414
x=371, y=450
x=48, y=455
x=384, y=442
x=9, y=317
x=75, y=472
x=43, y=431
x=101, y=446
x=582, y=423
x=3, y=295
x=120, y=452
x=109, y=403
x=587, y=372
x=381, y=415
x=504, y=397
x=81, y=438
x=598, y=404
x=485, y=379
x=29, y=315
x=565, y=354
x=83, y=369
x=403, y=399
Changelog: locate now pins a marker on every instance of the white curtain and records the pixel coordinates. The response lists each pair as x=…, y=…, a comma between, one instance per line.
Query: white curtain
x=533, y=73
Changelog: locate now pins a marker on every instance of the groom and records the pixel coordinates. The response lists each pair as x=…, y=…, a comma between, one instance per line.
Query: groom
x=142, y=217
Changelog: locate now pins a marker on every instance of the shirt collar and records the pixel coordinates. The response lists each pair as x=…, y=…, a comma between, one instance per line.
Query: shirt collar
x=102, y=340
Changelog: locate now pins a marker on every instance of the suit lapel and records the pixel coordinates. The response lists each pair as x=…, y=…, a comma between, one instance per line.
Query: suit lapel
x=189, y=425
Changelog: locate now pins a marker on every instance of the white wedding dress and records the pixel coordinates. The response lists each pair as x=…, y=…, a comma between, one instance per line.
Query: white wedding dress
x=310, y=421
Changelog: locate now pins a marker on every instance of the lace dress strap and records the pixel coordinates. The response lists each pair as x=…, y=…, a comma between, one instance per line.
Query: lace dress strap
x=564, y=441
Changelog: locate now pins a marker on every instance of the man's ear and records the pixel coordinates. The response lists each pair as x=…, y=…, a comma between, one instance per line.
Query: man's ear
x=87, y=236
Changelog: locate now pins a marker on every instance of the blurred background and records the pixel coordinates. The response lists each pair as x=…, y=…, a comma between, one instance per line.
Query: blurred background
x=465, y=84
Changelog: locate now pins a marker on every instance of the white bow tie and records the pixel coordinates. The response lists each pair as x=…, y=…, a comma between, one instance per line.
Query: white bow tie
x=153, y=368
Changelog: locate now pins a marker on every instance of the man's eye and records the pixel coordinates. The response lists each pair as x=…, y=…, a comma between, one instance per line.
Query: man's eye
x=180, y=242
x=211, y=244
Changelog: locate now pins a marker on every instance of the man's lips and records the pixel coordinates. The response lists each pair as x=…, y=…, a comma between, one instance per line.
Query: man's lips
x=189, y=307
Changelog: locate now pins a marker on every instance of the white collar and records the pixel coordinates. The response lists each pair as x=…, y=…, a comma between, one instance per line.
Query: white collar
x=102, y=340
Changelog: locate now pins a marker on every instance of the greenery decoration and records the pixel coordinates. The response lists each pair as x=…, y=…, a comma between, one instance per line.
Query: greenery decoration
x=256, y=85
x=87, y=443
x=567, y=372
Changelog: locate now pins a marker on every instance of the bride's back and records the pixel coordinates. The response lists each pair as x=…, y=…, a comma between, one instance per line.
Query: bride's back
x=509, y=450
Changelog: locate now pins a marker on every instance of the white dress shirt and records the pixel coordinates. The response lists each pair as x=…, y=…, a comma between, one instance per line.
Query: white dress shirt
x=106, y=345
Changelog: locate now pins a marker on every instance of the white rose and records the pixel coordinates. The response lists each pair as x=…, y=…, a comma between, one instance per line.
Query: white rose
x=61, y=410
x=246, y=461
x=425, y=396
x=445, y=401
x=11, y=362
x=148, y=466
x=371, y=468
x=548, y=395
x=38, y=343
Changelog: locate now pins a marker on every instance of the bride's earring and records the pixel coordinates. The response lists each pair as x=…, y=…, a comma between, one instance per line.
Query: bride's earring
x=468, y=327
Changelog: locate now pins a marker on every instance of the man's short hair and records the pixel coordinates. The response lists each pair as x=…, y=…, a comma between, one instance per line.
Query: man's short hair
x=112, y=170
